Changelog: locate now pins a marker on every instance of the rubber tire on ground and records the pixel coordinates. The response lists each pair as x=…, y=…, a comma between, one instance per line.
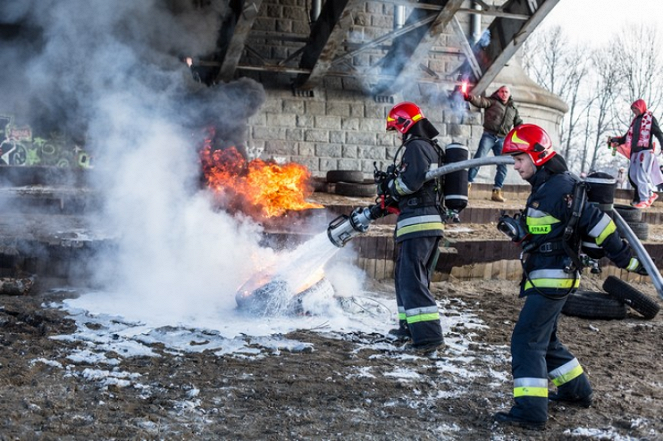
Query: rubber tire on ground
x=627, y=294
x=357, y=190
x=628, y=213
x=355, y=176
x=594, y=305
x=640, y=229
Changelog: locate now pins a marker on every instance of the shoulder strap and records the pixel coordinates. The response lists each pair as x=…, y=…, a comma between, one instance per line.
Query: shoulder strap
x=570, y=240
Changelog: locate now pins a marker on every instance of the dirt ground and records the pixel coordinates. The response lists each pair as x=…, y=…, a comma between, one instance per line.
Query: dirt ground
x=347, y=386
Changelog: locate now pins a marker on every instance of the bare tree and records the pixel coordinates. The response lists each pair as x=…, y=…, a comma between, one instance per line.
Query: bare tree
x=561, y=68
x=606, y=85
x=598, y=85
x=637, y=56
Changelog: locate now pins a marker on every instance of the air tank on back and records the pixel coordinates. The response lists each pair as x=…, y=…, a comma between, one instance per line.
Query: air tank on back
x=600, y=192
x=455, y=183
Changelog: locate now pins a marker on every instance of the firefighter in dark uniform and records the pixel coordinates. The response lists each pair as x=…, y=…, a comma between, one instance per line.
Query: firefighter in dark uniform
x=550, y=274
x=419, y=226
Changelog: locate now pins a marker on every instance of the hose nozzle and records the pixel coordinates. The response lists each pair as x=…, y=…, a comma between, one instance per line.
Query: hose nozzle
x=344, y=228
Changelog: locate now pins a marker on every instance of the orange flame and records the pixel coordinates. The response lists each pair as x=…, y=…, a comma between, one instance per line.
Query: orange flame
x=463, y=87
x=257, y=188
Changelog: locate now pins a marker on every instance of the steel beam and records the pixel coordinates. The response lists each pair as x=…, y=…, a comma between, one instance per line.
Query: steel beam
x=241, y=21
x=507, y=35
x=328, y=34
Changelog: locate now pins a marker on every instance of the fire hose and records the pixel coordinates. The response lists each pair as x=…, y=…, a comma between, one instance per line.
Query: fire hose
x=344, y=228
x=640, y=251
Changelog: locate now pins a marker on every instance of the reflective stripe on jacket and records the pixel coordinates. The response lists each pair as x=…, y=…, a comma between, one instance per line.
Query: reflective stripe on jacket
x=417, y=200
x=549, y=209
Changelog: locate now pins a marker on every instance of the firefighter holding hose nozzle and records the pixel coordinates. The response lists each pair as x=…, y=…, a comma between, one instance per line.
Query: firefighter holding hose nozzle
x=419, y=226
x=550, y=230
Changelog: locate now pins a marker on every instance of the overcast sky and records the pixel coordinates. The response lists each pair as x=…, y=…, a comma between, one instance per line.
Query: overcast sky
x=595, y=20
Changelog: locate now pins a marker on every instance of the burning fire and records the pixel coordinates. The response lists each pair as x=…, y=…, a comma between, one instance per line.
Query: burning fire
x=463, y=87
x=258, y=188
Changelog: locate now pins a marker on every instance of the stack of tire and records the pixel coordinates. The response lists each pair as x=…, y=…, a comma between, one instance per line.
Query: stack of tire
x=611, y=304
x=350, y=183
x=633, y=218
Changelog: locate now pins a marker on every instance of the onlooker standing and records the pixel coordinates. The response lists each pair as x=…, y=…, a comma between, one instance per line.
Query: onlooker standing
x=637, y=145
x=500, y=116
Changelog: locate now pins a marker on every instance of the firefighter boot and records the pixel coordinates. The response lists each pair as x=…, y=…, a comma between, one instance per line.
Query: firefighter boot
x=506, y=418
x=425, y=349
x=400, y=334
x=497, y=195
x=571, y=400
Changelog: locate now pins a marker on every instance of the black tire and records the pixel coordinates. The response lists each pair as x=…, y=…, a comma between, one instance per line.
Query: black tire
x=594, y=305
x=355, y=176
x=357, y=190
x=627, y=294
x=640, y=229
x=318, y=185
x=628, y=213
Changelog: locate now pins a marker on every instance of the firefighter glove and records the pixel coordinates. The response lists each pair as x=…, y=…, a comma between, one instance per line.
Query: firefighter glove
x=383, y=187
x=512, y=227
x=635, y=266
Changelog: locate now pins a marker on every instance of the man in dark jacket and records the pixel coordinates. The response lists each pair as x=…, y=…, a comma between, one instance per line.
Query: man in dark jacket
x=419, y=226
x=500, y=116
x=638, y=145
x=551, y=272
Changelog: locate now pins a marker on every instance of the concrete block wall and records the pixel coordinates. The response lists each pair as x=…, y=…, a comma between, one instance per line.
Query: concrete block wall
x=342, y=126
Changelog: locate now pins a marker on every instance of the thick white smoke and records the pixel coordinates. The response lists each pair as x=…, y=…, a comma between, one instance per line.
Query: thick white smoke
x=111, y=74
x=112, y=71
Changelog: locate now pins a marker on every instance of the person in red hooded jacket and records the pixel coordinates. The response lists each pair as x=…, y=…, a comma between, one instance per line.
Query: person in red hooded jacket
x=637, y=144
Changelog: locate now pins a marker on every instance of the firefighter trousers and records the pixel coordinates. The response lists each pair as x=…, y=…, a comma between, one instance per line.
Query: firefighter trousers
x=538, y=356
x=416, y=305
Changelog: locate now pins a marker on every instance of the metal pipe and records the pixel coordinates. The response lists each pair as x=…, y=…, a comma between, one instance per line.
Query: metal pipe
x=640, y=251
x=475, y=23
x=399, y=16
x=316, y=8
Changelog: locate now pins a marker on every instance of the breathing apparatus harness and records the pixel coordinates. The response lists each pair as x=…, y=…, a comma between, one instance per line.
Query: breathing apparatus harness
x=514, y=227
x=382, y=179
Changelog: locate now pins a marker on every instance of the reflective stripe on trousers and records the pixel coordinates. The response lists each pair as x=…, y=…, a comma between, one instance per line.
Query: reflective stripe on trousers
x=412, y=278
x=566, y=372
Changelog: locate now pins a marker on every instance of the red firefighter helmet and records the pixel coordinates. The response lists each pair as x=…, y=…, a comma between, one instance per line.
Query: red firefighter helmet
x=530, y=139
x=403, y=116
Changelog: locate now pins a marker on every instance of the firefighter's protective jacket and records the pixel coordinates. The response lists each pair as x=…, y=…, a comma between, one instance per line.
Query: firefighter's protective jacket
x=417, y=200
x=549, y=208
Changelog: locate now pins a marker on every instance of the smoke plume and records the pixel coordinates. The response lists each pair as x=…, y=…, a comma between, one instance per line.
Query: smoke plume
x=111, y=73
